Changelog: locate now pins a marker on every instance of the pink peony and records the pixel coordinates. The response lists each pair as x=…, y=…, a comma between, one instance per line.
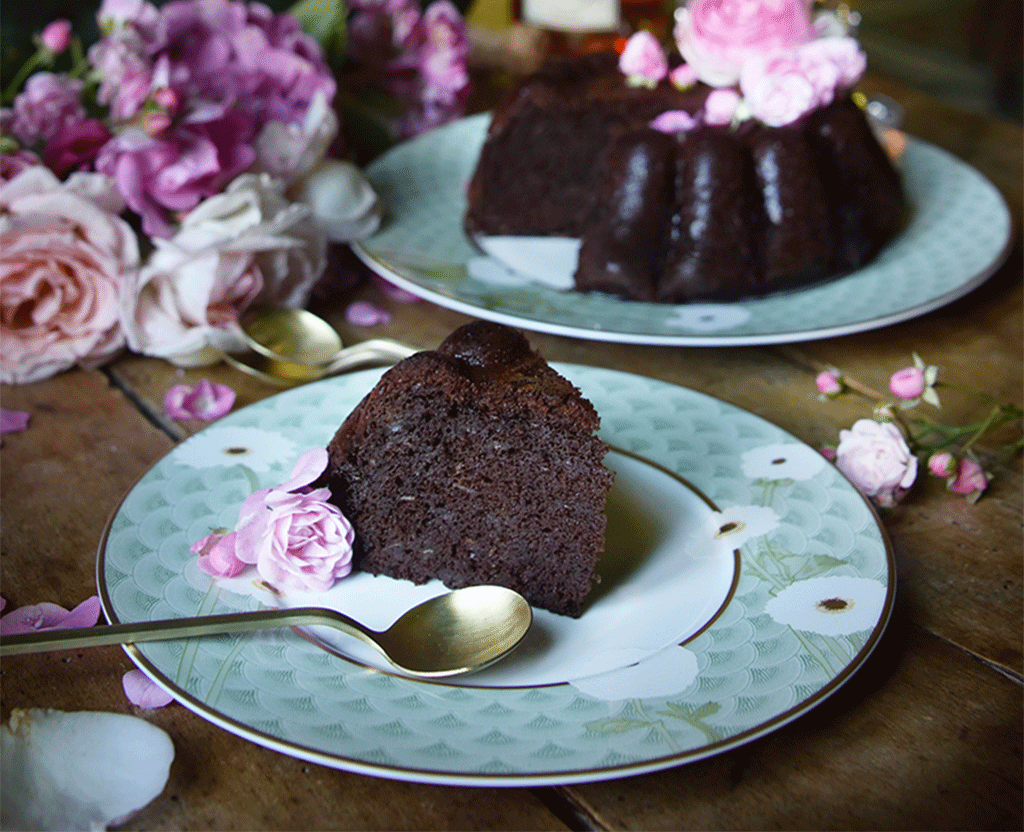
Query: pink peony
x=246, y=245
x=876, y=459
x=643, y=61
x=718, y=36
x=970, y=480
x=294, y=536
x=64, y=259
x=48, y=103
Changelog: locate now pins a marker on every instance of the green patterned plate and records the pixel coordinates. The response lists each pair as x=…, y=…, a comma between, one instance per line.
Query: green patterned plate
x=745, y=581
x=958, y=234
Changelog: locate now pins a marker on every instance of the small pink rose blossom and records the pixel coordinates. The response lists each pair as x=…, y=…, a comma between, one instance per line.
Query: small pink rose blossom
x=12, y=420
x=294, y=536
x=143, y=692
x=970, y=480
x=942, y=464
x=643, y=61
x=720, y=106
x=829, y=383
x=46, y=616
x=56, y=36
x=683, y=77
x=876, y=459
x=364, y=313
x=718, y=36
x=673, y=121
x=829, y=452
x=204, y=401
x=908, y=383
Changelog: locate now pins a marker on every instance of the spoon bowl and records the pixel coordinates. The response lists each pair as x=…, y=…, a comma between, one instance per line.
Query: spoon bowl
x=455, y=633
x=294, y=346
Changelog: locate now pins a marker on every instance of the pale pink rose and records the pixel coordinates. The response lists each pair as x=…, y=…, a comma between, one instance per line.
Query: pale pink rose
x=777, y=89
x=718, y=36
x=942, y=464
x=876, y=459
x=720, y=106
x=908, y=383
x=294, y=536
x=47, y=103
x=844, y=54
x=56, y=36
x=643, y=61
x=673, y=121
x=829, y=383
x=292, y=151
x=970, y=480
x=343, y=202
x=64, y=261
x=244, y=246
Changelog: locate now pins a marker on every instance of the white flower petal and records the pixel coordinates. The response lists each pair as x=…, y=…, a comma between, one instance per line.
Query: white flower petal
x=77, y=771
x=834, y=606
x=666, y=673
x=790, y=461
x=258, y=450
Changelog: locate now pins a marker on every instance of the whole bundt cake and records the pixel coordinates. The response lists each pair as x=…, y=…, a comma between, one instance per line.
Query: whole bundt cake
x=476, y=463
x=680, y=190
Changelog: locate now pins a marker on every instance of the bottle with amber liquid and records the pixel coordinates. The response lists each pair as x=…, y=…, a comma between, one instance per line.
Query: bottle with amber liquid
x=579, y=27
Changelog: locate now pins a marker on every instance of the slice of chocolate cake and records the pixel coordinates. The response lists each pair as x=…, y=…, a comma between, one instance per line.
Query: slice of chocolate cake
x=476, y=463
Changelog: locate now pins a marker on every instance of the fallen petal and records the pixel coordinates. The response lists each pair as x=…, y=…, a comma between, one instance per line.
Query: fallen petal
x=12, y=420
x=79, y=771
x=143, y=692
x=48, y=616
x=363, y=313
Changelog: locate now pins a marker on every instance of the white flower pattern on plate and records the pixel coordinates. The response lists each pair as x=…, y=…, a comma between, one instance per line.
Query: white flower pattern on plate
x=708, y=317
x=734, y=526
x=666, y=673
x=832, y=606
x=782, y=462
x=258, y=450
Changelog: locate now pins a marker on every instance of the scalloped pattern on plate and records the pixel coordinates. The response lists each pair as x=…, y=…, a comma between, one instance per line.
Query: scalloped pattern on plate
x=958, y=233
x=814, y=592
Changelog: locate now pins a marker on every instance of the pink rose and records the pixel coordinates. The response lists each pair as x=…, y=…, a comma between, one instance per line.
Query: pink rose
x=683, y=77
x=970, y=480
x=718, y=36
x=74, y=146
x=294, y=536
x=643, y=61
x=204, y=401
x=245, y=245
x=777, y=88
x=56, y=36
x=844, y=55
x=908, y=383
x=876, y=459
x=47, y=103
x=942, y=464
x=720, y=106
x=63, y=262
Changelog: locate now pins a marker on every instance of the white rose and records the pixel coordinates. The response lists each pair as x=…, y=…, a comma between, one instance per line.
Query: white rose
x=246, y=245
x=343, y=203
x=290, y=151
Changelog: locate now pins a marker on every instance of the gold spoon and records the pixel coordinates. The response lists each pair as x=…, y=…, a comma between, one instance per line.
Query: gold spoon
x=293, y=346
x=458, y=632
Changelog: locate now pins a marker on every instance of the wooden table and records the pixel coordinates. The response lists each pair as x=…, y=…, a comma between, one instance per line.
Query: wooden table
x=927, y=735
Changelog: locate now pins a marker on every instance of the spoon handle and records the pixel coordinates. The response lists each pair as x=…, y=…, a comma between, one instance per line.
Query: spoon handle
x=207, y=625
x=376, y=349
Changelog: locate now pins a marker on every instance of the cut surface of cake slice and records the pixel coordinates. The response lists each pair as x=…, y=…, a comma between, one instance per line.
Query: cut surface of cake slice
x=476, y=463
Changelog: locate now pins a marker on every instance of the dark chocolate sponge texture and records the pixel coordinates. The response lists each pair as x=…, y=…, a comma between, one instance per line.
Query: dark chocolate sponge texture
x=476, y=463
x=724, y=212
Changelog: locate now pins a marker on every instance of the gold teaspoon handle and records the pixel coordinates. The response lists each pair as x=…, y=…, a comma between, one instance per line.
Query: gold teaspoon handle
x=236, y=622
x=376, y=349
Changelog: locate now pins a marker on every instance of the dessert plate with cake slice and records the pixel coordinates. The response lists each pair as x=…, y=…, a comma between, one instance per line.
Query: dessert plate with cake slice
x=957, y=233
x=744, y=580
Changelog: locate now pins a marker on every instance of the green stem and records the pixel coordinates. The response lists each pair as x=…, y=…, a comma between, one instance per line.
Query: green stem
x=40, y=58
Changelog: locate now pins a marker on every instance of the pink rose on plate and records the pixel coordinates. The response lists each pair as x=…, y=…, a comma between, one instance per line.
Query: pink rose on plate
x=875, y=458
x=64, y=260
x=718, y=36
x=248, y=244
x=294, y=536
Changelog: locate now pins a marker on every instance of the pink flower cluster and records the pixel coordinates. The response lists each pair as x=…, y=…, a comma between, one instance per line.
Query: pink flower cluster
x=187, y=90
x=419, y=58
x=294, y=536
